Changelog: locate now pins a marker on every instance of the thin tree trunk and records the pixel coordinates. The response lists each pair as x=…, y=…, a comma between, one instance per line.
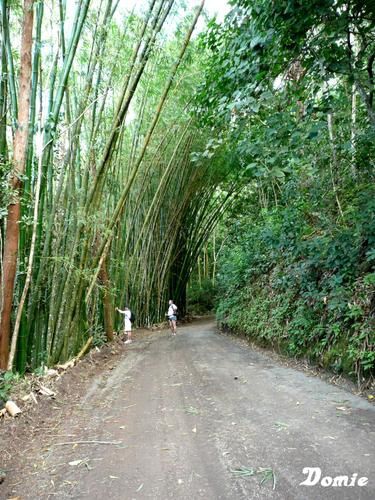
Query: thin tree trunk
x=3, y=93
x=107, y=303
x=29, y=268
x=10, y=68
x=333, y=163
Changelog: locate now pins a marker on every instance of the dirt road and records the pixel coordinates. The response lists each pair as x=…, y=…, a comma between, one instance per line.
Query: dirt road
x=202, y=415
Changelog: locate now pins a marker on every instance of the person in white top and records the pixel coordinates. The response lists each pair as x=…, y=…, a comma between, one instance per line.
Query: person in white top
x=172, y=317
x=128, y=324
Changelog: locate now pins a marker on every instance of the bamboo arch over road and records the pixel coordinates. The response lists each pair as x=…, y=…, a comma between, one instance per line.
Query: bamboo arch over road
x=119, y=210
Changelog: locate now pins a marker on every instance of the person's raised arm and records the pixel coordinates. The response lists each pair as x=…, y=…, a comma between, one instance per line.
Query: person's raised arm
x=119, y=310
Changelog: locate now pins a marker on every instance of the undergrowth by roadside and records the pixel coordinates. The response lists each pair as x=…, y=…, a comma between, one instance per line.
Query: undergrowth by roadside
x=304, y=288
x=7, y=382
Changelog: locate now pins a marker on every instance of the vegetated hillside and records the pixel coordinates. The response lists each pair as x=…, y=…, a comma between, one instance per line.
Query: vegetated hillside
x=289, y=90
x=292, y=278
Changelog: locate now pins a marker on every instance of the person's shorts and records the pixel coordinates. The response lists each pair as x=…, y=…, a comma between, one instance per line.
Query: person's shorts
x=172, y=318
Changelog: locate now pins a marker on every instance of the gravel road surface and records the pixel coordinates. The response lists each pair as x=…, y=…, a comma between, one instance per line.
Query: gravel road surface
x=203, y=415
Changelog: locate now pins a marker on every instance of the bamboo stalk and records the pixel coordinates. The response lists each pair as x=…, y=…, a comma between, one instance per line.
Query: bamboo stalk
x=29, y=268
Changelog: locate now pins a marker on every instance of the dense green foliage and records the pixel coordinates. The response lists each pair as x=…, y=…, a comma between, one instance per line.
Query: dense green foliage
x=7, y=380
x=294, y=281
x=289, y=91
x=142, y=138
x=201, y=297
x=114, y=212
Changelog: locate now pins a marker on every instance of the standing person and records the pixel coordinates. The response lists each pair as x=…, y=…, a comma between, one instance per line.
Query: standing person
x=172, y=317
x=128, y=323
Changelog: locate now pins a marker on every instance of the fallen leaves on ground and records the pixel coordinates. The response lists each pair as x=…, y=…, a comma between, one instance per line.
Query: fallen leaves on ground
x=266, y=474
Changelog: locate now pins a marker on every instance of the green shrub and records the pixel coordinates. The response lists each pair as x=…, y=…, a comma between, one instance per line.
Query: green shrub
x=305, y=288
x=7, y=380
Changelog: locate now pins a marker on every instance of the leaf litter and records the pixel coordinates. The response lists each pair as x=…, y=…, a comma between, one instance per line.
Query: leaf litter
x=281, y=426
x=266, y=474
x=192, y=410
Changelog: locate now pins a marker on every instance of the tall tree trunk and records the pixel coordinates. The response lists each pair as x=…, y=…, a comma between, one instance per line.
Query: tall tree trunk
x=334, y=161
x=19, y=162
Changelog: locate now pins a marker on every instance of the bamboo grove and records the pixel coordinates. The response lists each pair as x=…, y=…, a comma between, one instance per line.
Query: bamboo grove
x=101, y=203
